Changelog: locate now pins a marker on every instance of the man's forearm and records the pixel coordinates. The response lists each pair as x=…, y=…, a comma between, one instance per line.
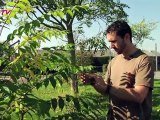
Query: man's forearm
x=128, y=94
x=101, y=88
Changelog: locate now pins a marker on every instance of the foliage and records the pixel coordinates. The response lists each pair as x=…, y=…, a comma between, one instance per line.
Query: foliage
x=94, y=43
x=84, y=58
x=56, y=17
x=141, y=31
x=89, y=96
x=28, y=69
x=32, y=70
x=89, y=47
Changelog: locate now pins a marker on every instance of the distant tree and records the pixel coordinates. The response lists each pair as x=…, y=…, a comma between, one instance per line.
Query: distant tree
x=142, y=31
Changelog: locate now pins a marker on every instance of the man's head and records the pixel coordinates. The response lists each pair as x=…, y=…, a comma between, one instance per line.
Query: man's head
x=119, y=34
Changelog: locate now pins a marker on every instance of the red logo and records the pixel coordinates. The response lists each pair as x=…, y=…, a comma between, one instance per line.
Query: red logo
x=5, y=11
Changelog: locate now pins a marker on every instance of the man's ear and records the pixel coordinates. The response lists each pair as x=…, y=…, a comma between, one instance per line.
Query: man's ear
x=127, y=37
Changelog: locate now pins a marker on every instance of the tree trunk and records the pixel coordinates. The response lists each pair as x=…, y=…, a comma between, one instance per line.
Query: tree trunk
x=74, y=81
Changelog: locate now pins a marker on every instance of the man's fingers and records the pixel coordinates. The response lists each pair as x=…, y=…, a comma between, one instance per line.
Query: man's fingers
x=129, y=74
x=126, y=78
x=85, y=78
x=124, y=82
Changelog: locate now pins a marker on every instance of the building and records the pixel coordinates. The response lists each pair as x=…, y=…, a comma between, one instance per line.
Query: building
x=103, y=57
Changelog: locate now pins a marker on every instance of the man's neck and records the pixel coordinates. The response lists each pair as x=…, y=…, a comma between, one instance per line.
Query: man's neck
x=129, y=50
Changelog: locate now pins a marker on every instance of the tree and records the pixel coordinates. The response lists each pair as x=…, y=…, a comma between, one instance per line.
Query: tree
x=61, y=15
x=141, y=31
x=45, y=19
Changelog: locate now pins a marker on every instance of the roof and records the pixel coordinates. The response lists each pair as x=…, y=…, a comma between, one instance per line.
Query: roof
x=107, y=53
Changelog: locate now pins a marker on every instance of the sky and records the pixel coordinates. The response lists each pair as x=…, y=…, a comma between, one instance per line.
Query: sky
x=148, y=10
x=139, y=10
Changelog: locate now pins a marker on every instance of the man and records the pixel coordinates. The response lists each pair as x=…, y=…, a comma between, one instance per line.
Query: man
x=129, y=77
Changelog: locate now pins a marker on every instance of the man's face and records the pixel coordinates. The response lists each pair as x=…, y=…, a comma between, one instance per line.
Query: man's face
x=117, y=43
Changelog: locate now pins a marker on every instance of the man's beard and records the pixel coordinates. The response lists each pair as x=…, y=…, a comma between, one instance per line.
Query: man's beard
x=121, y=49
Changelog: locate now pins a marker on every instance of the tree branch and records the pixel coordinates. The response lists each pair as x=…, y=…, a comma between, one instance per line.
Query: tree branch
x=58, y=22
x=47, y=24
x=43, y=14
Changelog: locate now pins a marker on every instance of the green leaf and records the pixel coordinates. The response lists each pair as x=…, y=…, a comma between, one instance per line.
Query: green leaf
x=54, y=103
x=20, y=30
x=28, y=49
x=77, y=104
x=34, y=44
x=68, y=98
x=46, y=82
x=22, y=6
x=59, y=80
x=27, y=28
x=64, y=75
x=25, y=1
x=44, y=107
x=22, y=50
x=47, y=17
x=60, y=102
x=84, y=103
x=0, y=62
x=2, y=109
x=70, y=12
x=36, y=23
x=38, y=85
x=21, y=106
x=10, y=3
x=60, y=14
x=52, y=81
x=75, y=8
x=10, y=37
x=61, y=56
x=16, y=106
x=41, y=19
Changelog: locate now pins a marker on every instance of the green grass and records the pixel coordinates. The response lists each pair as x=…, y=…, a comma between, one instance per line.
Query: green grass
x=156, y=100
x=157, y=82
x=98, y=103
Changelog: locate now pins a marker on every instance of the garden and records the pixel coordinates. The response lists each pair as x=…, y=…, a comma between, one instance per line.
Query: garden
x=41, y=82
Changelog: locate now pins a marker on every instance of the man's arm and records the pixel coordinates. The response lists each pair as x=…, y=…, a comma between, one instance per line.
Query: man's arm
x=137, y=94
x=96, y=81
x=101, y=87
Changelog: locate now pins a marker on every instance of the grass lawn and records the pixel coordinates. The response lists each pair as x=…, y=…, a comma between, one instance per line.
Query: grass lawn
x=156, y=100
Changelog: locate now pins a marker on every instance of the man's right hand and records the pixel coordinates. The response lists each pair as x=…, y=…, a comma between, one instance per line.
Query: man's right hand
x=96, y=81
x=88, y=78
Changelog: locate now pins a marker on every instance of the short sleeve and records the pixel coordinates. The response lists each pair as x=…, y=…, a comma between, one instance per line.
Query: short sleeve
x=108, y=73
x=145, y=73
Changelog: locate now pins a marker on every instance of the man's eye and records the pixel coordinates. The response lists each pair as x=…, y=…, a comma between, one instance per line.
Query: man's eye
x=113, y=41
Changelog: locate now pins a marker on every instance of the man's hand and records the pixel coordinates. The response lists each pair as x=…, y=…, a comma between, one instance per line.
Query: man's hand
x=128, y=80
x=88, y=78
x=96, y=81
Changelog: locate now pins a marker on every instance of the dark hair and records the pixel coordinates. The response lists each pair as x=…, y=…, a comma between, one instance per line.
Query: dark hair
x=121, y=28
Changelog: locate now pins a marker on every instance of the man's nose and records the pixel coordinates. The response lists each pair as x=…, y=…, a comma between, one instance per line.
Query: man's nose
x=112, y=46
